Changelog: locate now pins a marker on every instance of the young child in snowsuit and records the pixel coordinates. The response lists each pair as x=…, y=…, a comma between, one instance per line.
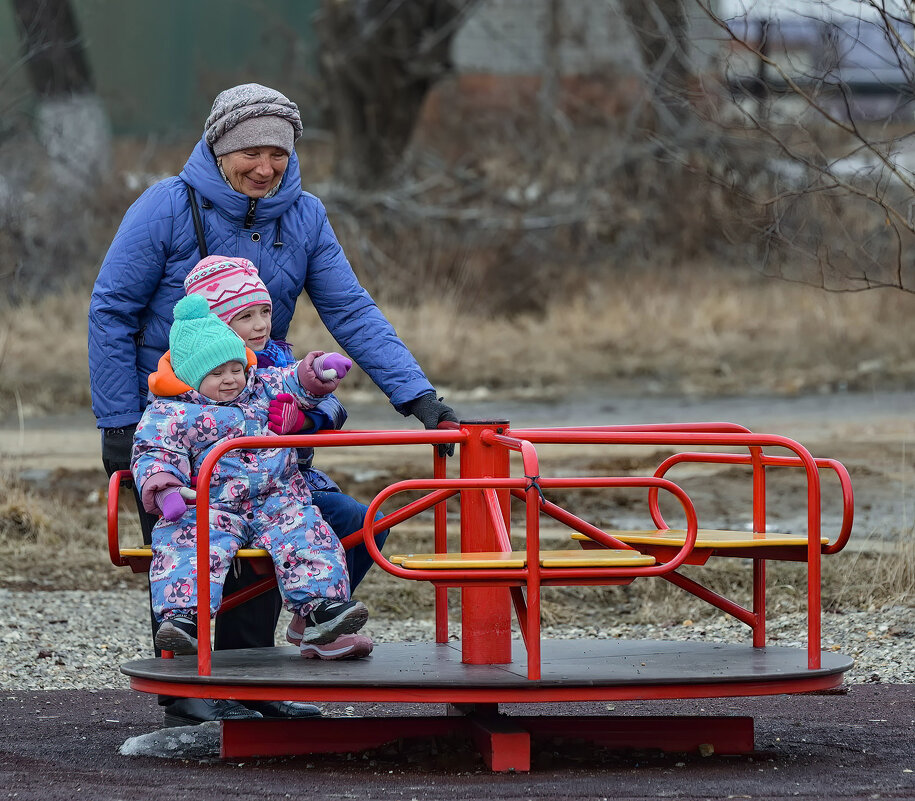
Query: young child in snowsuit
x=206, y=392
x=237, y=295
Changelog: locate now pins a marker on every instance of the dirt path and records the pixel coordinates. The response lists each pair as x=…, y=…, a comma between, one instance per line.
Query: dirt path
x=872, y=434
x=864, y=418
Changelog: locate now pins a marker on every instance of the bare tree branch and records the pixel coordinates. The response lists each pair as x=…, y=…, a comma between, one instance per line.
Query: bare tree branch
x=824, y=147
x=380, y=58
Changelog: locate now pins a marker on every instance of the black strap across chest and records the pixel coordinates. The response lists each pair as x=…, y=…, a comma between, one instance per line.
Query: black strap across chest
x=198, y=224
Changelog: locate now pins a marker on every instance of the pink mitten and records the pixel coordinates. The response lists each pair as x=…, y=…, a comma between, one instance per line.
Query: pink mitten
x=320, y=373
x=284, y=416
x=171, y=503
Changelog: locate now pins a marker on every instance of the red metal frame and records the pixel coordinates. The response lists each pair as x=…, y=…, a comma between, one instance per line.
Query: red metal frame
x=759, y=462
x=485, y=487
x=493, y=695
x=723, y=435
x=755, y=619
x=504, y=742
x=114, y=486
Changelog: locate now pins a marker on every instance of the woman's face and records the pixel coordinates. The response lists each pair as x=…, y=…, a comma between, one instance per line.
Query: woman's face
x=254, y=171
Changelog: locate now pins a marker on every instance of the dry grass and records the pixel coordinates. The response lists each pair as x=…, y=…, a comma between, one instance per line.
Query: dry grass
x=43, y=361
x=56, y=538
x=695, y=330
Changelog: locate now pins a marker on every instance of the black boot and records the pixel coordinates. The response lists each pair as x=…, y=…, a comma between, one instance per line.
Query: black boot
x=284, y=709
x=191, y=711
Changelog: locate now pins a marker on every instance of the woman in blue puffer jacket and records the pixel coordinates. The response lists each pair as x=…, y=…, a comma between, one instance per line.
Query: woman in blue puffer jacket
x=239, y=194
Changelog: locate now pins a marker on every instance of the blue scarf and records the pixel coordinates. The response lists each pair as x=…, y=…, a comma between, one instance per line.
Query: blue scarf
x=276, y=353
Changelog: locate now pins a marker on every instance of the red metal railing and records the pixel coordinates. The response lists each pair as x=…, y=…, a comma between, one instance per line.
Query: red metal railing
x=725, y=435
x=114, y=486
x=331, y=439
x=764, y=460
x=485, y=488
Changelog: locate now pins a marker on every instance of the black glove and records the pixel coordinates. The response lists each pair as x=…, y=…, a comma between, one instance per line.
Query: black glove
x=117, y=444
x=430, y=412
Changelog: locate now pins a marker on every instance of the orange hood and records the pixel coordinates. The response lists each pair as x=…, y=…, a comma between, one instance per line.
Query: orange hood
x=164, y=383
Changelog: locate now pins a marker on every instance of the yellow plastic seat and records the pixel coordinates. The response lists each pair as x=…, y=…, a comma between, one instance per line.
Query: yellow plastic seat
x=146, y=552
x=502, y=559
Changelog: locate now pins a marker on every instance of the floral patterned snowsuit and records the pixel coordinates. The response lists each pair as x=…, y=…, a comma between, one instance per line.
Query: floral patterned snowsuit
x=258, y=498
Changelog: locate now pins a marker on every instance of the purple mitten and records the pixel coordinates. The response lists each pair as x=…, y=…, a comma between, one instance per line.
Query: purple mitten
x=284, y=416
x=171, y=503
x=331, y=366
x=311, y=379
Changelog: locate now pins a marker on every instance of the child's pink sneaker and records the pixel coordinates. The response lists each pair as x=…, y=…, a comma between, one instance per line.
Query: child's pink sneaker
x=296, y=629
x=346, y=646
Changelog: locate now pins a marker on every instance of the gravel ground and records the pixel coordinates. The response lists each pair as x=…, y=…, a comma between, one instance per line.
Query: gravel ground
x=77, y=640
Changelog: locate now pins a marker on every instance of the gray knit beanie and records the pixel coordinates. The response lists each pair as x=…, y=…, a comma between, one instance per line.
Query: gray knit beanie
x=251, y=115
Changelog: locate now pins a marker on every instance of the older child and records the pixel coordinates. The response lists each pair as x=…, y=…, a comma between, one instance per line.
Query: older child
x=205, y=393
x=237, y=295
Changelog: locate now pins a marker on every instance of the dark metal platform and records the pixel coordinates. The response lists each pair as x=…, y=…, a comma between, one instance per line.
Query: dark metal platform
x=573, y=669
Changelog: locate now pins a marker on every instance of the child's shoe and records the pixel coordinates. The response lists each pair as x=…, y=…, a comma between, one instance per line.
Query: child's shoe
x=295, y=629
x=346, y=646
x=327, y=620
x=177, y=634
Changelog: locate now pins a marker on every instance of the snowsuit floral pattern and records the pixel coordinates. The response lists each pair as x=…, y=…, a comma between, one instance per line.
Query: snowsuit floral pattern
x=258, y=498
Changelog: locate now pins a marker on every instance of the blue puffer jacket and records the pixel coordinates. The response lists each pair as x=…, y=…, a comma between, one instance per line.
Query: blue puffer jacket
x=287, y=236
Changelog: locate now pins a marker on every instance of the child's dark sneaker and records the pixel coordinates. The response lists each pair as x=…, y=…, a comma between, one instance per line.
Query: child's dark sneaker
x=328, y=619
x=177, y=634
x=346, y=646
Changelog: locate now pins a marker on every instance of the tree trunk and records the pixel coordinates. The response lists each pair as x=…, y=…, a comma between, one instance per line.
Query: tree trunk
x=55, y=59
x=72, y=123
x=661, y=29
x=379, y=59
x=54, y=191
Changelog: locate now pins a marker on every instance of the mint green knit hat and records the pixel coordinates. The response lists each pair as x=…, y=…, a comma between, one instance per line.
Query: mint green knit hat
x=199, y=341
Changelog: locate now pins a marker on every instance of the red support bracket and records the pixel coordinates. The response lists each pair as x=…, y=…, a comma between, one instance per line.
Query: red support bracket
x=504, y=741
x=712, y=734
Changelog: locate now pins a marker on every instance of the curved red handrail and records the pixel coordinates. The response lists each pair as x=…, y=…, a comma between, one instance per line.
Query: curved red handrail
x=516, y=573
x=766, y=460
x=114, y=545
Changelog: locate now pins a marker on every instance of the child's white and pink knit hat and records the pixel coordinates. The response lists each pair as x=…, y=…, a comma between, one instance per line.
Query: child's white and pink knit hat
x=228, y=283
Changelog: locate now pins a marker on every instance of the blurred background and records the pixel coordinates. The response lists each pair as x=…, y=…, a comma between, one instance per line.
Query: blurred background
x=590, y=190
x=620, y=210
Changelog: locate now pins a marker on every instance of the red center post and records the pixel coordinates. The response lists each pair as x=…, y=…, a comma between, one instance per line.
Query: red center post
x=485, y=611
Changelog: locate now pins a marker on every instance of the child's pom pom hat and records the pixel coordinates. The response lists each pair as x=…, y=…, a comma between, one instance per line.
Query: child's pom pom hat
x=199, y=341
x=229, y=284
